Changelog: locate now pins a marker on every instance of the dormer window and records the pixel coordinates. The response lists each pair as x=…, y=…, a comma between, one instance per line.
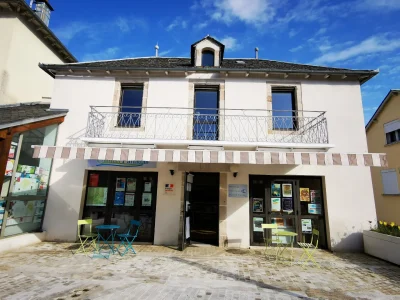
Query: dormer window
x=207, y=58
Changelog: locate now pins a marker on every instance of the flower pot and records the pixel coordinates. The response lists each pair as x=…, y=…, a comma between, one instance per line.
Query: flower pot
x=383, y=246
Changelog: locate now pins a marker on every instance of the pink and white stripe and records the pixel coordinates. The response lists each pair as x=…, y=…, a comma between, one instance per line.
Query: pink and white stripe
x=217, y=157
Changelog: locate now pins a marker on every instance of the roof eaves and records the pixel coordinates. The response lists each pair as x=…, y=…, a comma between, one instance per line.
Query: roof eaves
x=32, y=120
x=381, y=106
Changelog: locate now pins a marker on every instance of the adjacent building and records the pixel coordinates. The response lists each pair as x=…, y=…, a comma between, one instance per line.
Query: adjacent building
x=383, y=135
x=207, y=148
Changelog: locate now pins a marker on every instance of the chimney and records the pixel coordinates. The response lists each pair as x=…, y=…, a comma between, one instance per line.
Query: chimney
x=256, y=52
x=156, y=47
x=43, y=9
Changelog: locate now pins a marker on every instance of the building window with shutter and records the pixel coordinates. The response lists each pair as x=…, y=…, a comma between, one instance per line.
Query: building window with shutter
x=392, y=131
x=390, y=182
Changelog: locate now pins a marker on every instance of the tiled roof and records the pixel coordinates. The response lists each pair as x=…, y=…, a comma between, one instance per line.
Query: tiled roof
x=18, y=113
x=185, y=63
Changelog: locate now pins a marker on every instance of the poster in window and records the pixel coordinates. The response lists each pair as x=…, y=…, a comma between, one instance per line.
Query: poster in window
x=120, y=186
x=276, y=204
x=315, y=196
x=147, y=186
x=257, y=224
x=129, y=199
x=287, y=190
x=275, y=190
x=287, y=205
x=258, y=205
x=96, y=196
x=306, y=225
x=11, y=153
x=131, y=184
x=314, y=209
x=278, y=221
x=9, y=167
x=94, y=180
x=119, y=199
x=26, y=169
x=146, y=199
x=305, y=194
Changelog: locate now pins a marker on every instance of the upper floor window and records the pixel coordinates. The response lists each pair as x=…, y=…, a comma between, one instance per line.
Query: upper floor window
x=284, y=115
x=207, y=59
x=205, y=119
x=392, y=130
x=131, y=106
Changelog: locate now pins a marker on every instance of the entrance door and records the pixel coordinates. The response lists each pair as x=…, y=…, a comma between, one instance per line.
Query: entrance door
x=204, y=208
x=186, y=211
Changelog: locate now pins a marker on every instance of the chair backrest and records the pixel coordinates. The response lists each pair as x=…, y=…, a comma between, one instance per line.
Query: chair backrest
x=315, y=233
x=134, y=223
x=85, y=222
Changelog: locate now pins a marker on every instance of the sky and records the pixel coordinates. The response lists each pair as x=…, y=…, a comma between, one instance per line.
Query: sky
x=355, y=34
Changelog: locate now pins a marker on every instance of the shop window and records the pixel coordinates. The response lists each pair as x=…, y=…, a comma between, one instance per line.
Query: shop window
x=390, y=182
x=284, y=115
x=205, y=119
x=130, y=111
x=207, y=58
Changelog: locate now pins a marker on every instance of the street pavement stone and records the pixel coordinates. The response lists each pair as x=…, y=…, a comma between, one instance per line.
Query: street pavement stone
x=51, y=271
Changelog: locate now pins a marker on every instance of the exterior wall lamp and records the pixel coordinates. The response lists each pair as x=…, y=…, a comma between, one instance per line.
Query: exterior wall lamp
x=235, y=174
x=172, y=172
x=235, y=170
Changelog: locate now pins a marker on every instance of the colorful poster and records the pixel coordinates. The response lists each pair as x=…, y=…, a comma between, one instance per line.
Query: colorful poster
x=314, y=209
x=257, y=224
x=287, y=205
x=276, y=204
x=11, y=153
x=129, y=199
x=315, y=196
x=147, y=186
x=94, y=180
x=96, y=196
x=305, y=194
x=120, y=186
x=287, y=190
x=258, y=205
x=131, y=185
x=119, y=199
x=306, y=225
x=26, y=184
x=146, y=199
x=278, y=221
x=26, y=169
x=276, y=190
x=9, y=167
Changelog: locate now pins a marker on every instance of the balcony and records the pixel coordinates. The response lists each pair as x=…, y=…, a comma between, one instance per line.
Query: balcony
x=223, y=127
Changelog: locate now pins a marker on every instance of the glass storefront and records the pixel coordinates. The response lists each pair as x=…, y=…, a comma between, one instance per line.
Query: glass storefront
x=24, y=191
x=119, y=197
x=293, y=203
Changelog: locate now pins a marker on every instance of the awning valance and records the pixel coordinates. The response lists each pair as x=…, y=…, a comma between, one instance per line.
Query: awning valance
x=210, y=156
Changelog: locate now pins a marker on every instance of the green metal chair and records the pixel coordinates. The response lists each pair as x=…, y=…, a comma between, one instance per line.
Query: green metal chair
x=309, y=249
x=269, y=241
x=87, y=240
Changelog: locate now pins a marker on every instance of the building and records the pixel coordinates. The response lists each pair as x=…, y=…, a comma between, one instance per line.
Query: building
x=25, y=115
x=206, y=149
x=383, y=135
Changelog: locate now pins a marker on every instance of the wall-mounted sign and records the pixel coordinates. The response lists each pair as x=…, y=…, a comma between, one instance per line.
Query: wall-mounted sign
x=125, y=164
x=169, y=189
x=237, y=190
x=306, y=225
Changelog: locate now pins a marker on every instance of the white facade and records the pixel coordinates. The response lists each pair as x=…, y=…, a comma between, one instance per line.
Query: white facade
x=349, y=203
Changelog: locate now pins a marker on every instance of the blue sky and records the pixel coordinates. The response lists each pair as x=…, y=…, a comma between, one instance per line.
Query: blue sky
x=358, y=34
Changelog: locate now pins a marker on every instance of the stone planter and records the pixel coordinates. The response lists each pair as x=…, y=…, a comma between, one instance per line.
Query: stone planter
x=386, y=247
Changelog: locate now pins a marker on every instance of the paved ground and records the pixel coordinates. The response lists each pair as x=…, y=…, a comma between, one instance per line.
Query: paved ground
x=50, y=271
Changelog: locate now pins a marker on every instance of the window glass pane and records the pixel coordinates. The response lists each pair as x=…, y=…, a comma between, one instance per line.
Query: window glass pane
x=9, y=167
x=391, y=137
x=205, y=125
x=390, y=182
x=207, y=59
x=283, y=108
x=131, y=107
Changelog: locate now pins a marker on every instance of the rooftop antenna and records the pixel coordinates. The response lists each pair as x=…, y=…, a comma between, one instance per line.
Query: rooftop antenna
x=256, y=52
x=157, y=47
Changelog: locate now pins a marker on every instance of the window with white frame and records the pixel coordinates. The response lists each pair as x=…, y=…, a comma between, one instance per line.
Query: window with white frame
x=389, y=181
x=392, y=131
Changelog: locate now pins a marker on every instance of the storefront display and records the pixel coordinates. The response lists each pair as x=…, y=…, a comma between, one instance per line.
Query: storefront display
x=315, y=196
x=287, y=205
x=94, y=180
x=305, y=194
x=131, y=184
x=96, y=196
x=306, y=225
x=287, y=190
x=258, y=205
x=257, y=222
x=276, y=204
x=314, y=209
x=276, y=190
x=146, y=199
x=120, y=186
x=119, y=199
x=129, y=199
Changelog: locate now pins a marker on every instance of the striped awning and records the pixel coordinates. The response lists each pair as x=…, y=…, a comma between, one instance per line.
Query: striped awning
x=210, y=156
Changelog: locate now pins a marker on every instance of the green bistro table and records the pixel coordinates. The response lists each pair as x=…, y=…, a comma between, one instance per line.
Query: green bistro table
x=282, y=247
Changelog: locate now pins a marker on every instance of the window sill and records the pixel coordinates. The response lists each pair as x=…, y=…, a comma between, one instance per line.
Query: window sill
x=391, y=144
x=393, y=195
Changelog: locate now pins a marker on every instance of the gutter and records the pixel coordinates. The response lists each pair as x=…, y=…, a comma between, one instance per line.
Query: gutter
x=32, y=120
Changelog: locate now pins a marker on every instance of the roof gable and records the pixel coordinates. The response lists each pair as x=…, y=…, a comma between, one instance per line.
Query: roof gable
x=213, y=41
x=392, y=94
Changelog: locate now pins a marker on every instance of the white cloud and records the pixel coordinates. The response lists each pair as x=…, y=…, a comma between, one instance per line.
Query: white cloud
x=322, y=30
x=372, y=45
x=256, y=13
x=67, y=33
x=293, y=32
x=379, y=4
x=178, y=22
x=123, y=24
x=295, y=49
x=201, y=25
x=109, y=53
x=163, y=53
x=230, y=43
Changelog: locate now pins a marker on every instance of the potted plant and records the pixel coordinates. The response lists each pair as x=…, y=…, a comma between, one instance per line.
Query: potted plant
x=383, y=241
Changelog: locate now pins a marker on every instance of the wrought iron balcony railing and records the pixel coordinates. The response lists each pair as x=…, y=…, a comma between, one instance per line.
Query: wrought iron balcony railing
x=230, y=125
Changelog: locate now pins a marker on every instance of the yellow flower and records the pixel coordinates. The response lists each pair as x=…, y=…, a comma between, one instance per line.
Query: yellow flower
x=392, y=224
x=380, y=222
x=385, y=223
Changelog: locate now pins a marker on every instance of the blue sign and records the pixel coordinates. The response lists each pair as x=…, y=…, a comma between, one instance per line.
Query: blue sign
x=237, y=190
